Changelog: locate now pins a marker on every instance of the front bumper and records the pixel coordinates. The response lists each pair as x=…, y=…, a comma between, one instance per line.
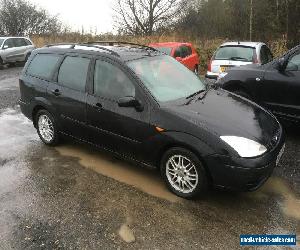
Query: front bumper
x=211, y=75
x=243, y=174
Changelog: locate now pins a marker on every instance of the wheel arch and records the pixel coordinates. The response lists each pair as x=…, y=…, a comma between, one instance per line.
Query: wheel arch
x=171, y=145
x=35, y=110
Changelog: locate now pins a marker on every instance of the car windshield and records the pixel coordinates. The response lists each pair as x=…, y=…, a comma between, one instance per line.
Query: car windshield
x=166, y=79
x=235, y=53
x=166, y=50
x=1, y=41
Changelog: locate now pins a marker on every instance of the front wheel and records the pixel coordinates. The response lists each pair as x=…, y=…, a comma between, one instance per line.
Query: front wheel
x=183, y=173
x=196, y=70
x=46, y=128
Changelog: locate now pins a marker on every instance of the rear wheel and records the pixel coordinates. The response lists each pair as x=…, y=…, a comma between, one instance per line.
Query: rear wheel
x=26, y=58
x=46, y=128
x=183, y=173
x=196, y=70
x=1, y=63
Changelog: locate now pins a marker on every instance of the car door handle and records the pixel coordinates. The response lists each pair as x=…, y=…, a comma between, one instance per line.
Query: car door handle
x=56, y=92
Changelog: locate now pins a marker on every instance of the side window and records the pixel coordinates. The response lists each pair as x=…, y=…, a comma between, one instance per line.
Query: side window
x=177, y=52
x=186, y=51
x=111, y=82
x=73, y=72
x=27, y=42
x=263, y=55
x=294, y=63
x=19, y=42
x=42, y=65
x=269, y=54
x=9, y=43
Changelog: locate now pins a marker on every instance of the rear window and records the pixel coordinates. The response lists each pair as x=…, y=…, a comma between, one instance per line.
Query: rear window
x=73, y=72
x=43, y=65
x=235, y=53
x=27, y=41
x=166, y=50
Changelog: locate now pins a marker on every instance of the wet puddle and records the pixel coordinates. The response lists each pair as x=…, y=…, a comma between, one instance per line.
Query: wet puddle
x=147, y=180
x=290, y=204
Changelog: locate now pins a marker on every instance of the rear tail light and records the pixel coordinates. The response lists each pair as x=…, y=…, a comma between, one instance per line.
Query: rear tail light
x=209, y=65
x=254, y=58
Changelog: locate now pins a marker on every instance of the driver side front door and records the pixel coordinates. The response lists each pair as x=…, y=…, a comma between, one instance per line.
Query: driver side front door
x=120, y=129
x=281, y=88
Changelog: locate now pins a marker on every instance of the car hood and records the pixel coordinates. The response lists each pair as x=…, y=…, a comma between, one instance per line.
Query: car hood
x=223, y=113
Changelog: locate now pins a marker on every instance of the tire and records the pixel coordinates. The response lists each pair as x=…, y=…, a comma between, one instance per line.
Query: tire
x=26, y=58
x=187, y=182
x=11, y=65
x=46, y=128
x=1, y=63
x=196, y=70
x=243, y=94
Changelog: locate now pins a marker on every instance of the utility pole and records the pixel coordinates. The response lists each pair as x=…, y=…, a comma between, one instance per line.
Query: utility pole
x=251, y=20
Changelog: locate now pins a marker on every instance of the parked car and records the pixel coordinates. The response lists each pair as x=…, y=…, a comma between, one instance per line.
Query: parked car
x=15, y=49
x=275, y=85
x=145, y=106
x=182, y=52
x=233, y=54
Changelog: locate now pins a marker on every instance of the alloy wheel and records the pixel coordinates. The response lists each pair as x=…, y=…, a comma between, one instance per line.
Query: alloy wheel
x=181, y=174
x=46, y=128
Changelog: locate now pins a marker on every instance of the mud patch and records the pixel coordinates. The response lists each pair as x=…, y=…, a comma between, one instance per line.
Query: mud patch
x=125, y=232
x=146, y=180
x=290, y=205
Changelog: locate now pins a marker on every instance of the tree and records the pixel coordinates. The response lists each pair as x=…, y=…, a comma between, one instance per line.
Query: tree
x=143, y=17
x=19, y=17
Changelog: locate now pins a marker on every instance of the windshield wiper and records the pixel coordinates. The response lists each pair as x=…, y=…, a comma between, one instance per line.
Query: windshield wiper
x=192, y=96
x=237, y=58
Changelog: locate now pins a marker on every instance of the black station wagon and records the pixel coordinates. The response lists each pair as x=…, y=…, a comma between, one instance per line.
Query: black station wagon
x=145, y=106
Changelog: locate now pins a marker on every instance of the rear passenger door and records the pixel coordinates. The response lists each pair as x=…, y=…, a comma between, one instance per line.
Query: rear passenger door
x=9, y=50
x=68, y=94
x=120, y=129
x=21, y=49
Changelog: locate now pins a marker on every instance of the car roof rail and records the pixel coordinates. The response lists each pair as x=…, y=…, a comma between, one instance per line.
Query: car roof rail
x=112, y=43
x=72, y=46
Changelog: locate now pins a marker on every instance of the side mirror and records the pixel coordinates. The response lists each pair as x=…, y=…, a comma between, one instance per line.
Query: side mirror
x=280, y=64
x=130, y=101
x=178, y=58
x=5, y=47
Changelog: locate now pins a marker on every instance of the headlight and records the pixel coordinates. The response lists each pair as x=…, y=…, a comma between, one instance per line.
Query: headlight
x=244, y=147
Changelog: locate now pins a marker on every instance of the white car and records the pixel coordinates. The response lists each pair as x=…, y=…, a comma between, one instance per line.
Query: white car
x=233, y=54
x=15, y=49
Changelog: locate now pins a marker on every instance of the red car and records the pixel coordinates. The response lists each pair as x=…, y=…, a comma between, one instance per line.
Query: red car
x=182, y=52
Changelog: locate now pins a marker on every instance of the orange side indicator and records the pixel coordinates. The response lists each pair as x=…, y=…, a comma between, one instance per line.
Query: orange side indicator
x=158, y=129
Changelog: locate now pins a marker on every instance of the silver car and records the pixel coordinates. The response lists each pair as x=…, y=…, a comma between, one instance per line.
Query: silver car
x=233, y=54
x=15, y=49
